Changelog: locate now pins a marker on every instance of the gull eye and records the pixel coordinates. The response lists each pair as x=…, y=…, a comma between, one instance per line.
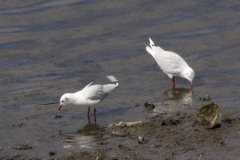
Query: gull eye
x=62, y=101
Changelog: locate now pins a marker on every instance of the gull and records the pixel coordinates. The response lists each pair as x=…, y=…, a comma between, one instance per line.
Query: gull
x=171, y=63
x=89, y=95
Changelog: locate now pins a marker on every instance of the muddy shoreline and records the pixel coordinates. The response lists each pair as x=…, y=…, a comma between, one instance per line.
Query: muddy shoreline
x=165, y=136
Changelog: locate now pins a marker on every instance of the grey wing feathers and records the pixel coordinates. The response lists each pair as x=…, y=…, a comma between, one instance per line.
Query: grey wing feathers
x=112, y=78
x=101, y=91
x=108, y=88
x=94, y=92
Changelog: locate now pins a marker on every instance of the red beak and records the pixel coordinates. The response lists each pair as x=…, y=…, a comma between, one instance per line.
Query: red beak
x=60, y=107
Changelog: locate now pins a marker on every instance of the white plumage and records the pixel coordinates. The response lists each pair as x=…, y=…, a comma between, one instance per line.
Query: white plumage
x=171, y=63
x=89, y=95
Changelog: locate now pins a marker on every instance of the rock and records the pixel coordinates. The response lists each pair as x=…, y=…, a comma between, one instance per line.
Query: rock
x=51, y=153
x=207, y=98
x=149, y=106
x=130, y=124
x=57, y=116
x=122, y=124
x=19, y=124
x=118, y=134
x=111, y=125
x=208, y=116
x=140, y=140
x=51, y=136
x=67, y=146
x=22, y=147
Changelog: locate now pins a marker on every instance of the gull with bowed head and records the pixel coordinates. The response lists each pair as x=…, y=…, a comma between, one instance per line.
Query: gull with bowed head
x=171, y=63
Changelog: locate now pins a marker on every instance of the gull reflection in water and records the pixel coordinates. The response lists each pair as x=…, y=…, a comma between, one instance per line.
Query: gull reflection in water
x=175, y=99
x=88, y=137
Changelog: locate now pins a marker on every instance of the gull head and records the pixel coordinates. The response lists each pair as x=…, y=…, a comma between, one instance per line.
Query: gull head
x=189, y=74
x=64, y=100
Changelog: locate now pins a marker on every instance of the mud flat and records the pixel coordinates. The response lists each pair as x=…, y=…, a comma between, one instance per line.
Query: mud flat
x=163, y=136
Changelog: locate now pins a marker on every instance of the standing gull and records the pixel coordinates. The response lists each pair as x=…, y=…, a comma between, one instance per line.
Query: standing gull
x=171, y=63
x=89, y=95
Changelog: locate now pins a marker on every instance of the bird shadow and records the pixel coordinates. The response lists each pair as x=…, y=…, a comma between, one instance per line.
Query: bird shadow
x=178, y=93
x=175, y=99
x=87, y=137
x=89, y=128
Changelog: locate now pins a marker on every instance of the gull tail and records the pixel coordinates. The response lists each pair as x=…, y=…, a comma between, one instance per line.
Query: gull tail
x=152, y=49
x=113, y=79
x=151, y=42
x=149, y=49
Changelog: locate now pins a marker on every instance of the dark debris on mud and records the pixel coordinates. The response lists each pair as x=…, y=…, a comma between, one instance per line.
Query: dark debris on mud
x=22, y=147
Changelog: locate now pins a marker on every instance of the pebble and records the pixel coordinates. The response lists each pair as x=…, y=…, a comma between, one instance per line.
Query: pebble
x=140, y=140
x=122, y=124
x=51, y=153
x=22, y=147
x=116, y=133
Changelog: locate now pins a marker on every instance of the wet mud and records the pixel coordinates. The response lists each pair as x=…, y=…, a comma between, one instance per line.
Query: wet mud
x=166, y=136
x=49, y=48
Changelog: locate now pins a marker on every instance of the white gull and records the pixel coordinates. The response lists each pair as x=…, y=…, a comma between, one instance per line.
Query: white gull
x=89, y=95
x=171, y=63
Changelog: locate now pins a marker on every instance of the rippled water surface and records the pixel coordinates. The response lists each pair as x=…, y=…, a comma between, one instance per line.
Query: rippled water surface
x=52, y=47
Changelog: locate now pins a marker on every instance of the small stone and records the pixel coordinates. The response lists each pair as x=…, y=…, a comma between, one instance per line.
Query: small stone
x=22, y=147
x=120, y=146
x=119, y=134
x=140, y=140
x=149, y=106
x=57, y=116
x=51, y=153
x=129, y=124
x=51, y=136
x=20, y=124
x=208, y=98
x=111, y=125
x=164, y=123
x=119, y=124
x=67, y=146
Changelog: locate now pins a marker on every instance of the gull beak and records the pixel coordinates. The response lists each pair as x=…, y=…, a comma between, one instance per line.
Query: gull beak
x=60, y=107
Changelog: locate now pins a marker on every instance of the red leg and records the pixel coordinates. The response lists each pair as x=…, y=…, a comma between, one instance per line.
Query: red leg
x=173, y=81
x=88, y=112
x=95, y=114
x=88, y=115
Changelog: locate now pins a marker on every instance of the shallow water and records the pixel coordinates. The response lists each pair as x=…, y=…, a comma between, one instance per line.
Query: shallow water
x=52, y=47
